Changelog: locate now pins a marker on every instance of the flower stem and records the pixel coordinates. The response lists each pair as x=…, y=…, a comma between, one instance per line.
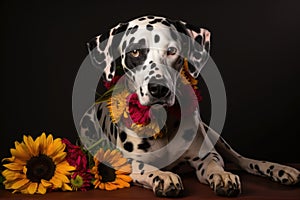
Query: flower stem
x=95, y=144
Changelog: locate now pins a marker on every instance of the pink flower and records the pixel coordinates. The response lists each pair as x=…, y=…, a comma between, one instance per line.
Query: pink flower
x=75, y=156
x=139, y=114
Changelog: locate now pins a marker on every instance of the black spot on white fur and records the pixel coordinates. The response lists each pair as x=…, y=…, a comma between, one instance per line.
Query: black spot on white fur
x=128, y=146
x=149, y=27
x=156, y=38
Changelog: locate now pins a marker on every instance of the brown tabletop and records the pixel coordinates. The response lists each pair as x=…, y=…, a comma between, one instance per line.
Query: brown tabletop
x=253, y=187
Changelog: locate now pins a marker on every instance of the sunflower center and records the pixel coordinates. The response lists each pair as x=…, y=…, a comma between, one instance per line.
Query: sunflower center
x=40, y=167
x=107, y=172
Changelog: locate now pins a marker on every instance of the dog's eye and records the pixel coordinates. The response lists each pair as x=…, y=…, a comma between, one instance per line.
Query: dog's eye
x=171, y=51
x=135, y=53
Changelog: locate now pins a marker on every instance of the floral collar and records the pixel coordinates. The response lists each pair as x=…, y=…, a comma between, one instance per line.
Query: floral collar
x=125, y=107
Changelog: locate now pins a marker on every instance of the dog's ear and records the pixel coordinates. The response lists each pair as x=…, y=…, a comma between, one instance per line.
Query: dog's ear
x=199, y=51
x=197, y=48
x=104, y=50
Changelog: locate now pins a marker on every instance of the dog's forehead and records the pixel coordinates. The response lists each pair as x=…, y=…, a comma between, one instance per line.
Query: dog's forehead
x=149, y=22
x=154, y=29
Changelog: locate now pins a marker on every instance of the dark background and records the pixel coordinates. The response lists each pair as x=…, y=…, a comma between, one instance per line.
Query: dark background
x=255, y=44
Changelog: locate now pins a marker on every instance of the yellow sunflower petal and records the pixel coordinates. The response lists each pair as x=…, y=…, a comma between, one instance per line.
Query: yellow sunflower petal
x=21, y=151
x=116, y=158
x=8, y=173
x=94, y=170
x=24, y=170
x=99, y=155
x=31, y=146
x=18, y=184
x=15, y=191
x=41, y=189
x=32, y=188
x=64, y=167
x=8, y=183
x=96, y=183
x=125, y=169
x=118, y=184
x=62, y=177
x=110, y=186
x=121, y=182
x=11, y=159
x=13, y=166
x=124, y=177
x=119, y=162
x=46, y=183
x=59, y=145
x=102, y=186
x=106, y=155
x=55, y=147
x=41, y=142
x=59, y=157
x=12, y=175
x=57, y=183
x=15, y=160
x=97, y=176
x=114, y=155
x=66, y=187
x=49, y=139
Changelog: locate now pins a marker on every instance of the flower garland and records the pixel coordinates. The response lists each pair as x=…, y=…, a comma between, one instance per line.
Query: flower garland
x=125, y=107
x=47, y=164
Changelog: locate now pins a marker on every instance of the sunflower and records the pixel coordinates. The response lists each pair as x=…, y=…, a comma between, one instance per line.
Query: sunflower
x=117, y=106
x=111, y=170
x=37, y=165
x=186, y=77
x=150, y=130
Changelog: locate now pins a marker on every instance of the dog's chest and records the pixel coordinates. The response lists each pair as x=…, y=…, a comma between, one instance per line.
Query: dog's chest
x=177, y=135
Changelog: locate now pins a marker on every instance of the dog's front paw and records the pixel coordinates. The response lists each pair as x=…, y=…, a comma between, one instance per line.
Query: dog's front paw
x=225, y=184
x=167, y=184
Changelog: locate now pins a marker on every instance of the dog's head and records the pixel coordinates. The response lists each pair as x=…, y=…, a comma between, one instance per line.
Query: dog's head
x=151, y=51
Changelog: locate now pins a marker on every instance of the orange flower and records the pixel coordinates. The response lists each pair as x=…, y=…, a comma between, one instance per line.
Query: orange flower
x=111, y=170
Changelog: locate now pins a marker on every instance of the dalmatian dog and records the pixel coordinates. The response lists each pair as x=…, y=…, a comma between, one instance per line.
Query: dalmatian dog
x=150, y=50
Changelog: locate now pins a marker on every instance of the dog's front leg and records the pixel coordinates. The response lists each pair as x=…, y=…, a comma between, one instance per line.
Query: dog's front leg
x=209, y=167
x=163, y=183
x=209, y=170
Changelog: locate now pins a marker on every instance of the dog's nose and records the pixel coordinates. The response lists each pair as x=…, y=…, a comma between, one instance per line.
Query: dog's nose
x=157, y=90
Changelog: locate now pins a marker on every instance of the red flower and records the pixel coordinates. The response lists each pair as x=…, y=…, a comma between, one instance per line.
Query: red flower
x=138, y=113
x=81, y=177
x=109, y=84
x=198, y=94
x=189, y=100
x=75, y=156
